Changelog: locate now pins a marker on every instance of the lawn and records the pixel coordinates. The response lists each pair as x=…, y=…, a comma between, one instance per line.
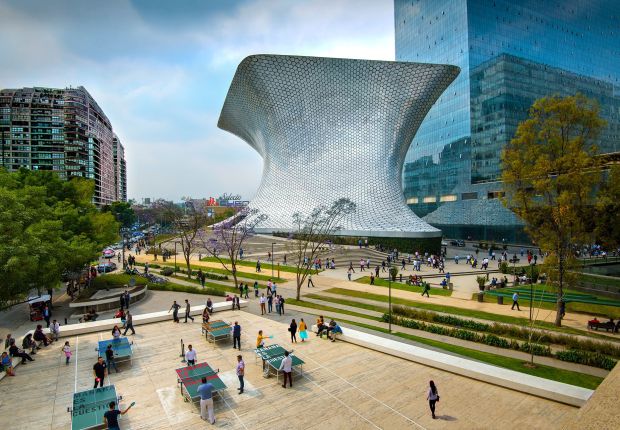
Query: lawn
x=547, y=372
x=265, y=266
x=348, y=303
x=609, y=281
x=329, y=309
x=584, y=308
x=246, y=275
x=230, y=289
x=401, y=286
x=462, y=312
x=119, y=280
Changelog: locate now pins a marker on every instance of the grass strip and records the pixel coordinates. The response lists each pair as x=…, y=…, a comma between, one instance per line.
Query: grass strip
x=247, y=275
x=263, y=265
x=472, y=313
x=348, y=303
x=212, y=285
x=401, y=286
x=547, y=372
x=329, y=309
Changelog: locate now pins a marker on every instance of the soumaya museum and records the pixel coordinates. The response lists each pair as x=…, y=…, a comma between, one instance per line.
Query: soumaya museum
x=510, y=53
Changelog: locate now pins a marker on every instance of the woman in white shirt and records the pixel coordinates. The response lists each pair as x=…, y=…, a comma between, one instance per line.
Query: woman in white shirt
x=432, y=397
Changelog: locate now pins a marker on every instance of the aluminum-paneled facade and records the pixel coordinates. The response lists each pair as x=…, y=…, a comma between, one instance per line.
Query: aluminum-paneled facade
x=329, y=128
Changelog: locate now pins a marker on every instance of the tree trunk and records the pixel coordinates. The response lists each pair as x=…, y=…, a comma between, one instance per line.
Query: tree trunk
x=558, y=315
x=298, y=287
x=234, y=272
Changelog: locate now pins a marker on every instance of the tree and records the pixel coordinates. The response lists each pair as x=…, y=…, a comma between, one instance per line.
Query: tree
x=122, y=212
x=187, y=222
x=312, y=231
x=605, y=217
x=227, y=238
x=47, y=227
x=550, y=173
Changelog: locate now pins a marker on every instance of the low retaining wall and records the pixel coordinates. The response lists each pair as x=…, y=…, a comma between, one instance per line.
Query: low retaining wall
x=545, y=388
x=105, y=304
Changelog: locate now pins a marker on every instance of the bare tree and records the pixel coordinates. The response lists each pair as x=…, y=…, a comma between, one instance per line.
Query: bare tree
x=312, y=232
x=187, y=222
x=228, y=237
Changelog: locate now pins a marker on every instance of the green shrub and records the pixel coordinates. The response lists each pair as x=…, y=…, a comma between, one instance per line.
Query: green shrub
x=187, y=289
x=167, y=271
x=588, y=358
x=536, y=349
x=503, y=267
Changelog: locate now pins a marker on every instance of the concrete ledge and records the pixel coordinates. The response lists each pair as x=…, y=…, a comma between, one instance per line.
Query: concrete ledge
x=108, y=324
x=110, y=302
x=534, y=385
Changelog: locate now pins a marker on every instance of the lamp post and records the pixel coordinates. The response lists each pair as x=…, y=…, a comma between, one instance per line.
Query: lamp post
x=175, y=257
x=272, y=243
x=531, y=289
x=390, y=295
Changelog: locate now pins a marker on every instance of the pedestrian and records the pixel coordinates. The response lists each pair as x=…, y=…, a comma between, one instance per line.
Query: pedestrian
x=260, y=339
x=122, y=300
x=310, y=283
x=209, y=305
x=427, y=288
x=187, y=311
x=269, y=303
x=99, y=371
x=110, y=418
x=262, y=301
x=562, y=308
x=236, y=332
x=240, y=372
x=255, y=288
x=235, y=302
x=109, y=358
x=432, y=397
x=282, y=305
x=67, y=351
x=372, y=278
x=349, y=273
x=14, y=351
x=277, y=300
x=205, y=390
x=175, y=311
x=303, y=330
x=190, y=355
x=129, y=324
x=55, y=330
x=286, y=366
x=515, y=301
x=205, y=315
x=245, y=290
x=293, y=330
x=127, y=299
x=116, y=332
x=46, y=315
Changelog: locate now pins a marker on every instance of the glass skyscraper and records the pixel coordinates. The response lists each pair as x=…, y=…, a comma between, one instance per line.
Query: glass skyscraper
x=510, y=54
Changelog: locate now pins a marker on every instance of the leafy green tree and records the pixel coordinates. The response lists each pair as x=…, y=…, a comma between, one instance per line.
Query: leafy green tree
x=47, y=226
x=550, y=173
x=122, y=212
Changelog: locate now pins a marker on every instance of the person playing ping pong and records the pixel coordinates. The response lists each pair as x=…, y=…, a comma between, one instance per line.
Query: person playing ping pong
x=110, y=418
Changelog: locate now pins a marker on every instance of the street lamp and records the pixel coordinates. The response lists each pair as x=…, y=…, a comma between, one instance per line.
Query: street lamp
x=390, y=295
x=175, y=257
x=272, y=243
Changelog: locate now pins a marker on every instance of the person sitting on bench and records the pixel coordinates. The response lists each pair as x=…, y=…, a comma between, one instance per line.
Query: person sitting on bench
x=29, y=344
x=39, y=336
x=14, y=351
x=328, y=328
x=7, y=364
x=335, y=331
x=210, y=305
x=320, y=325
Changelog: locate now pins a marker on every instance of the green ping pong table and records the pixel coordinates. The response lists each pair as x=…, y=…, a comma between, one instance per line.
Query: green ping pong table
x=121, y=347
x=272, y=357
x=89, y=407
x=190, y=377
x=216, y=330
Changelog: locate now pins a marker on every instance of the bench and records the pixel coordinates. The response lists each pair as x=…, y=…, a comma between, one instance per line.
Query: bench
x=594, y=325
x=315, y=329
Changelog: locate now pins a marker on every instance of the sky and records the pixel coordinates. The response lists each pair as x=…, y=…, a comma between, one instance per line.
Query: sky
x=160, y=70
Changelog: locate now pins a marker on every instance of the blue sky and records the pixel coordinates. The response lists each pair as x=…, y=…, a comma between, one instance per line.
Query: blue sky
x=161, y=69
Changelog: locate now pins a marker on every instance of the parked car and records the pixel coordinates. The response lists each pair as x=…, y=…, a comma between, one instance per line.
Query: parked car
x=106, y=267
x=444, y=243
x=108, y=253
x=457, y=243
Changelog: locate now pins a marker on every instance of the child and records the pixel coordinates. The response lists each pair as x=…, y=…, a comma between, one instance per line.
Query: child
x=67, y=350
x=6, y=362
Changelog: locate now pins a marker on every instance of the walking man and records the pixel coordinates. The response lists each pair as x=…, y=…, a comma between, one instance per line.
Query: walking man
x=46, y=315
x=235, y=302
x=240, y=372
x=175, y=311
x=129, y=324
x=237, y=336
x=99, y=371
x=427, y=288
x=262, y=301
x=310, y=283
x=287, y=367
x=190, y=356
x=55, y=330
x=515, y=301
x=206, y=400
x=187, y=310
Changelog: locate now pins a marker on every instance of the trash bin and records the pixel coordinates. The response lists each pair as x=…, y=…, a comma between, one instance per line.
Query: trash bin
x=481, y=297
x=450, y=286
x=500, y=300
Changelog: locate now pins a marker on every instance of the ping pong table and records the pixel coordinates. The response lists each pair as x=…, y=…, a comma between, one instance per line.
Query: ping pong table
x=216, y=330
x=272, y=357
x=121, y=347
x=190, y=377
x=89, y=407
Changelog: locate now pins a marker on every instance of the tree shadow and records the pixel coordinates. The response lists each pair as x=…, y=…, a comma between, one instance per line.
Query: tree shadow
x=446, y=418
